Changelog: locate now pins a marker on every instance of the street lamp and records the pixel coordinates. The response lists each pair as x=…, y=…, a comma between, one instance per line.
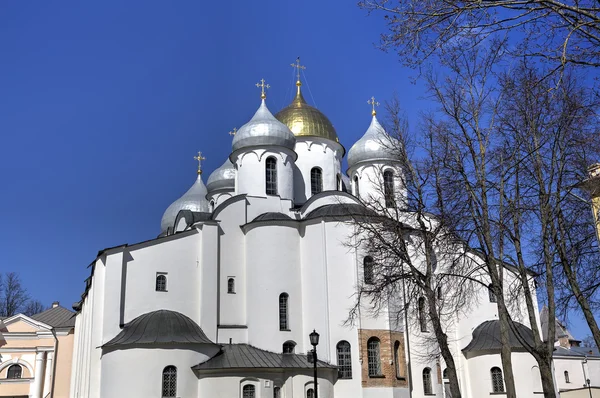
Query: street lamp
x=314, y=341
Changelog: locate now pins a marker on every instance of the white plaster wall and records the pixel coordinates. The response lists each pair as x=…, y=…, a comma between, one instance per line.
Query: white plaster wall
x=575, y=367
x=208, y=280
x=370, y=181
x=316, y=152
x=218, y=197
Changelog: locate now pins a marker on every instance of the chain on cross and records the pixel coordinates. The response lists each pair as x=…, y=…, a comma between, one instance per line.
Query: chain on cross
x=199, y=158
x=373, y=103
x=298, y=67
x=263, y=87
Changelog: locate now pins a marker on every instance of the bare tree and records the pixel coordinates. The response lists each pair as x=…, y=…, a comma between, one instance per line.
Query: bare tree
x=561, y=32
x=33, y=307
x=13, y=296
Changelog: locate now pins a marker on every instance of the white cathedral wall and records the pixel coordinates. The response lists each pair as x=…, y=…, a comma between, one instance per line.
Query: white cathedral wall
x=316, y=152
x=578, y=372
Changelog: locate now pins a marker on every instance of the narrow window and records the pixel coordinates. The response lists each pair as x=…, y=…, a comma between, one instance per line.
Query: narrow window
x=249, y=391
x=212, y=205
x=169, y=382
x=344, y=360
x=277, y=392
x=439, y=292
x=388, y=188
x=373, y=357
x=356, y=191
x=445, y=373
x=397, y=359
x=338, y=183
x=422, y=317
x=231, y=285
x=427, y=388
x=271, y=177
x=283, y=311
x=289, y=347
x=14, y=372
x=567, y=377
x=492, y=294
x=161, y=283
x=316, y=180
x=497, y=380
x=310, y=393
x=368, y=270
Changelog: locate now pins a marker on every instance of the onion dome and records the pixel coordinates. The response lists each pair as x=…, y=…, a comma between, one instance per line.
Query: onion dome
x=194, y=199
x=263, y=130
x=375, y=145
x=305, y=120
x=222, y=178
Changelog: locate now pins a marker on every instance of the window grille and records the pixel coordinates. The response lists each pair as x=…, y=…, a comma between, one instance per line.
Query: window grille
x=249, y=391
x=567, y=377
x=316, y=180
x=231, y=285
x=373, y=357
x=388, y=188
x=161, y=283
x=356, y=191
x=492, y=294
x=368, y=270
x=344, y=360
x=289, y=347
x=422, y=317
x=497, y=380
x=169, y=382
x=283, y=311
x=277, y=392
x=14, y=372
x=427, y=388
x=310, y=393
x=271, y=176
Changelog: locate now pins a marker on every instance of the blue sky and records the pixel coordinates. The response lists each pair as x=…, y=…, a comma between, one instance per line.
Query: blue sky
x=104, y=104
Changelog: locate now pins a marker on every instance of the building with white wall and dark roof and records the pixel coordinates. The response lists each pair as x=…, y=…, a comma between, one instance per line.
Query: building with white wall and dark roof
x=222, y=303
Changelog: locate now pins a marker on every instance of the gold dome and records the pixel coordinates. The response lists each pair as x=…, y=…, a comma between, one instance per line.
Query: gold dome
x=305, y=120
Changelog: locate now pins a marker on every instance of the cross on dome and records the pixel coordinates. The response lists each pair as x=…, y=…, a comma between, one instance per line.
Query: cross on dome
x=199, y=158
x=263, y=86
x=298, y=67
x=373, y=103
x=233, y=132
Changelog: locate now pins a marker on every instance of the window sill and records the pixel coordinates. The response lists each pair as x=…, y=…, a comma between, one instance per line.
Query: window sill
x=230, y=292
x=401, y=378
x=284, y=330
x=376, y=377
x=162, y=291
x=497, y=393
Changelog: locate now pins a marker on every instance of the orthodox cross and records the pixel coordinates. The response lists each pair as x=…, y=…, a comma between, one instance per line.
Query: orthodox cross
x=199, y=158
x=263, y=86
x=373, y=103
x=298, y=67
x=233, y=132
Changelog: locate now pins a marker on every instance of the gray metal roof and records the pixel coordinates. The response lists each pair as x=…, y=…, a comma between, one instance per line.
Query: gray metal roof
x=160, y=327
x=486, y=337
x=340, y=210
x=238, y=356
x=577, y=352
x=561, y=329
x=57, y=317
x=272, y=216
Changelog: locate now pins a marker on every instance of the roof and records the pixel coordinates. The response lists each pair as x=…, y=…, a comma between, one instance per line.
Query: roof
x=486, y=337
x=272, y=216
x=561, y=328
x=576, y=352
x=57, y=317
x=238, y=356
x=160, y=327
x=339, y=210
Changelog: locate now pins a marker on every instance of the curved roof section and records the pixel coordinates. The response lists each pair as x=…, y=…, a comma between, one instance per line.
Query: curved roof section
x=160, y=327
x=222, y=178
x=194, y=199
x=263, y=130
x=374, y=145
x=340, y=210
x=305, y=120
x=272, y=216
x=486, y=337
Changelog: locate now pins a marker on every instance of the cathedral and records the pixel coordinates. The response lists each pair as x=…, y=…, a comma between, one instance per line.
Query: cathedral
x=222, y=303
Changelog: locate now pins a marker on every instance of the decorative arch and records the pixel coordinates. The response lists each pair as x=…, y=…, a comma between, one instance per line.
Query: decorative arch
x=18, y=361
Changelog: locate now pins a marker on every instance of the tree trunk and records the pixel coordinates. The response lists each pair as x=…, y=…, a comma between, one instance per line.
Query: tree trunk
x=505, y=353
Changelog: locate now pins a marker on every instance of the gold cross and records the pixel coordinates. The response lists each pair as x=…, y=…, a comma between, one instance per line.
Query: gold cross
x=263, y=87
x=199, y=158
x=233, y=132
x=374, y=104
x=298, y=67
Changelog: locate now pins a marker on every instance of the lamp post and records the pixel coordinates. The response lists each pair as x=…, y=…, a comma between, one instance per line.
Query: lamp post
x=314, y=341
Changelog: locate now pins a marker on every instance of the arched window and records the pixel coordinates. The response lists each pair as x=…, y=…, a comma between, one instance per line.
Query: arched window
x=567, y=377
x=249, y=391
x=388, y=188
x=422, y=317
x=356, y=191
x=368, y=270
x=169, y=382
x=231, y=285
x=161, y=283
x=497, y=380
x=427, y=388
x=373, y=357
x=271, y=177
x=492, y=294
x=310, y=393
x=439, y=292
x=445, y=373
x=212, y=205
x=276, y=392
x=338, y=183
x=283, y=312
x=316, y=180
x=14, y=372
x=344, y=360
x=289, y=347
x=397, y=359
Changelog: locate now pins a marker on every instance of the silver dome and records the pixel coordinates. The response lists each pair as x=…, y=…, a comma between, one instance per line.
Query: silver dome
x=194, y=199
x=376, y=144
x=222, y=178
x=263, y=129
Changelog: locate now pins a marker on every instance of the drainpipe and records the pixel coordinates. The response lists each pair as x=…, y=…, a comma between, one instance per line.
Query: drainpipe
x=408, y=361
x=54, y=362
